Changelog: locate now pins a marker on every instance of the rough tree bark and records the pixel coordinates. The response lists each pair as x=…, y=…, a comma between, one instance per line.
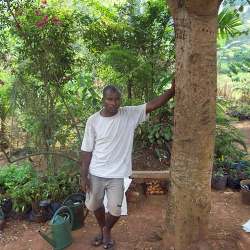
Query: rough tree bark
x=189, y=200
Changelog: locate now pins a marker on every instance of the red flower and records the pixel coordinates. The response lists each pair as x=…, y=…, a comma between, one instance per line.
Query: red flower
x=45, y=19
x=56, y=21
x=40, y=24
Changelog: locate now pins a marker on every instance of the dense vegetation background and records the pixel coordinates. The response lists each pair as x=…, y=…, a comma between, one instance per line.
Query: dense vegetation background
x=55, y=58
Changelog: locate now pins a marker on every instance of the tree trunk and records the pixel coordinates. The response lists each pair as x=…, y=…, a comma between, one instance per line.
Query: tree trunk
x=189, y=200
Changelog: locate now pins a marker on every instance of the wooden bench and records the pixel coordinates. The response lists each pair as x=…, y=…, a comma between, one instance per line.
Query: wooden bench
x=141, y=176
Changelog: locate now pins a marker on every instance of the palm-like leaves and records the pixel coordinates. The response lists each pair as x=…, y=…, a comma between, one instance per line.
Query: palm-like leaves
x=229, y=23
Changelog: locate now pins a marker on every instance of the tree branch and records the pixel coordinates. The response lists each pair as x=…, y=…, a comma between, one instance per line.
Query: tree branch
x=14, y=17
x=70, y=114
x=38, y=153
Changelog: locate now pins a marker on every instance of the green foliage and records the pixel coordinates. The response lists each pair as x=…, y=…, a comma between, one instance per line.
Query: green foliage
x=247, y=172
x=243, y=109
x=12, y=176
x=122, y=60
x=47, y=35
x=239, y=109
x=134, y=39
x=24, y=186
x=157, y=132
x=229, y=142
x=219, y=172
x=47, y=56
x=61, y=185
x=221, y=107
x=47, y=82
x=229, y=23
x=234, y=58
x=243, y=88
x=5, y=108
x=239, y=170
x=5, y=91
x=61, y=54
x=130, y=44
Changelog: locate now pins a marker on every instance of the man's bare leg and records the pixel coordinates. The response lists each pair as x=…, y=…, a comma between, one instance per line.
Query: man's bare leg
x=110, y=222
x=100, y=217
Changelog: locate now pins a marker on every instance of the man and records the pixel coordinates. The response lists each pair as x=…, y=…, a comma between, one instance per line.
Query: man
x=106, y=158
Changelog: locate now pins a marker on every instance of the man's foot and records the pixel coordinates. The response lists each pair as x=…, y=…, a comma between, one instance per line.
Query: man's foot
x=109, y=245
x=97, y=241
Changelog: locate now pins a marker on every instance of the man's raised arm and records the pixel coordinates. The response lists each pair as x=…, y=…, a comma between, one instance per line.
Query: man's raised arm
x=159, y=101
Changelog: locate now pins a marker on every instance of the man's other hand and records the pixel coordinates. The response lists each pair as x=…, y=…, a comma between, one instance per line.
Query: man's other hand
x=85, y=184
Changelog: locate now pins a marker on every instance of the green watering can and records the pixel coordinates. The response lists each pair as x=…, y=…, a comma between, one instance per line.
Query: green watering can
x=76, y=202
x=59, y=233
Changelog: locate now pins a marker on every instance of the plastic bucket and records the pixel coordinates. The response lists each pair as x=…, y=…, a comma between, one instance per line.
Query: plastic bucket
x=76, y=202
x=245, y=191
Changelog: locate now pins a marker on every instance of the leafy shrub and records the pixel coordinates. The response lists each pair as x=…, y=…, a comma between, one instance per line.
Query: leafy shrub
x=218, y=172
x=15, y=175
x=239, y=110
x=13, y=179
x=229, y=144
x=157, y=132
x=61, y=185
x=247, y=172
x=24, y=185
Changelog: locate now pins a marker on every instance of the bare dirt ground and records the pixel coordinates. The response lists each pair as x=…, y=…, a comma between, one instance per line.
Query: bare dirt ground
x=141, y=230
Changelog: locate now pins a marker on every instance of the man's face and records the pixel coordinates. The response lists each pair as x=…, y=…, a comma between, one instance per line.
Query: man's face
x=111, y=102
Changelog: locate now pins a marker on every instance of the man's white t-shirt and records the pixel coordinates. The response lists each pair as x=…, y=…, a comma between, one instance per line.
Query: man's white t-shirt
x=110, y=139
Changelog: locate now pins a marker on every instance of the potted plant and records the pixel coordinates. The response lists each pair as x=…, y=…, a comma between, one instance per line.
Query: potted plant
x=247, y=171
x=219, y=179
x=34, y=191
x=20, y=204
x=234, y=177
x=13, y=177
x=5, y=204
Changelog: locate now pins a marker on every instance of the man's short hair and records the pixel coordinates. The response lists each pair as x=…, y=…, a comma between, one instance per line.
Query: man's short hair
x=111, y=88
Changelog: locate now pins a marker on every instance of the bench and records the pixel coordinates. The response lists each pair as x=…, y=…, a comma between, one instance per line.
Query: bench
x=142, y=180
x=142, y=176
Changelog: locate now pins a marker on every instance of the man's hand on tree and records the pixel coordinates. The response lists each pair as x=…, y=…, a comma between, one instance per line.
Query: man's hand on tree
x=173, y=87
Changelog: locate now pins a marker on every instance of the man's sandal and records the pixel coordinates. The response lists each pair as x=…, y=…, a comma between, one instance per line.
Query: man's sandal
x=108, y=245
x=98, y=240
